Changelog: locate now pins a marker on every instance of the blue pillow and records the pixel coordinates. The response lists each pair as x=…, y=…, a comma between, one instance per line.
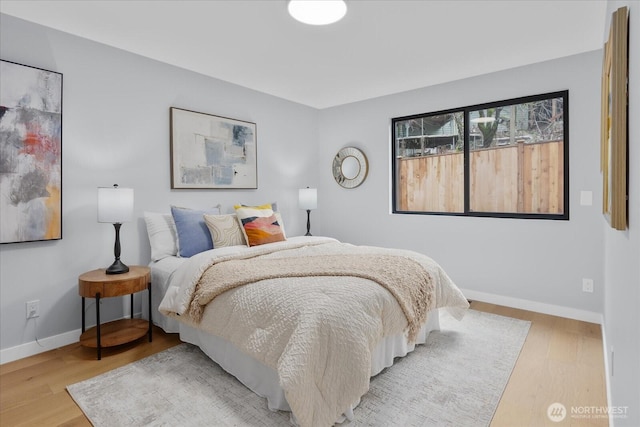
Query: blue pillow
x=193, y=234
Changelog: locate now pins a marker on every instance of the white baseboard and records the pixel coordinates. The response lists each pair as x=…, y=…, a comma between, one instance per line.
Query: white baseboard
x=45, y=344
x=607, y=373
x=538, y=307
x=42, y=345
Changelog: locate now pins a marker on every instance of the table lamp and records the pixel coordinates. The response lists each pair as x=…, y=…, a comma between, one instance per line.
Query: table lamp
x=308, y=200
x=115, y=206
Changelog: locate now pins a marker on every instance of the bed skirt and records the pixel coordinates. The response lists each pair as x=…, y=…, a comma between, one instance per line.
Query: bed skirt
x=264, y=381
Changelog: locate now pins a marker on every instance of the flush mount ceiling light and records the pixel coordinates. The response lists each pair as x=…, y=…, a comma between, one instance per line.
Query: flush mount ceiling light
x=317, y=12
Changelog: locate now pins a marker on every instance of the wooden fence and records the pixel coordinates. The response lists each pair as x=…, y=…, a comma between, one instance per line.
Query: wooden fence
x=520, y=178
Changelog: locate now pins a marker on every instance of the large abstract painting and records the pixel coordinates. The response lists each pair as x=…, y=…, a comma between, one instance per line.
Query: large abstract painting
x=212, y=152
x=30, y=154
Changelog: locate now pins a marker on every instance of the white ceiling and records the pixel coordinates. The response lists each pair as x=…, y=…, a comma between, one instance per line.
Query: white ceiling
x=380, y=47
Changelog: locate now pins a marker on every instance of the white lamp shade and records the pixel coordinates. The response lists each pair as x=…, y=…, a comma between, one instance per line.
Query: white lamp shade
x=317, y=12
x=115, y=204
x=308, y=198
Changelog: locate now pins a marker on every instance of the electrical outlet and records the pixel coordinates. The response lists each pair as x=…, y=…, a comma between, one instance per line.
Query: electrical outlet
x=587, y=285
x=33, y=309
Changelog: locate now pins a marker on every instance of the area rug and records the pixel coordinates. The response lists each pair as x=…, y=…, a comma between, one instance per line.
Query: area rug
x=456, y=379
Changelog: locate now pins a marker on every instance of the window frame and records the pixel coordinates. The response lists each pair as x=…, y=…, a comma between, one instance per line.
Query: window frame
x=564, y=94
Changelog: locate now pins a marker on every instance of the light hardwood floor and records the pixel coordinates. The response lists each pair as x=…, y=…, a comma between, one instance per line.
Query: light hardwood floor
x=561, y=361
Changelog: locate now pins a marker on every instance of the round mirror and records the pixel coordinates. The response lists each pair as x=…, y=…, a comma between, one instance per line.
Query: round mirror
x=350, y=167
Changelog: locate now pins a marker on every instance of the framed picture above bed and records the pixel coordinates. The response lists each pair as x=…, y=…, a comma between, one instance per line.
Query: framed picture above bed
x=30, y=153
x=212, y=152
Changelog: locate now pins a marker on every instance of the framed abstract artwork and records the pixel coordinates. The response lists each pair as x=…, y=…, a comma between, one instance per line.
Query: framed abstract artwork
x=30, y=153
x=614, y=137
x=212, y=152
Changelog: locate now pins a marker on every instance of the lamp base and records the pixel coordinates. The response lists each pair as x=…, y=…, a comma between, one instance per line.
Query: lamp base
x=308, y=222
x=117, y=268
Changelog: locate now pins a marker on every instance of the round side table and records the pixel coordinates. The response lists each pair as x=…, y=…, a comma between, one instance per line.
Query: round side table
x=97, y=284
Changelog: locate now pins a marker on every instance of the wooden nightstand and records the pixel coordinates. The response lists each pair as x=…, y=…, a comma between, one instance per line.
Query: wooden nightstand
x=97, y=284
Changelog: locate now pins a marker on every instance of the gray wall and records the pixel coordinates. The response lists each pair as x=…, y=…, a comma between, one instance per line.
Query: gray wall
x=116, y=130
x=542, y=261
x=622, y=254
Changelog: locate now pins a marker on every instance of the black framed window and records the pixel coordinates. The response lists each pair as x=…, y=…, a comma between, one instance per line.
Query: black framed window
x=502, y=159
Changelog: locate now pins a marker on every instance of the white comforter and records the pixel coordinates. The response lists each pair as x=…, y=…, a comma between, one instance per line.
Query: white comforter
x=317, y=332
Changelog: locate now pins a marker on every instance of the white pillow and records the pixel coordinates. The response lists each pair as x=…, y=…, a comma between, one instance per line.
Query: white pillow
x=162, y=235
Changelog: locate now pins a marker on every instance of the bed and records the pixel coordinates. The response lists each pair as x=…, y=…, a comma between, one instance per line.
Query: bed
x=313, y=326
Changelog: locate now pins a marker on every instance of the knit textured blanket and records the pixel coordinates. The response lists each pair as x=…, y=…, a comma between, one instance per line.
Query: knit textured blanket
x=404, y=278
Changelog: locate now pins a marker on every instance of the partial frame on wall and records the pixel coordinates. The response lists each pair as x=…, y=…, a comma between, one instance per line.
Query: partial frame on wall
x=212, y=152
x=30, y=153
x=614, y=134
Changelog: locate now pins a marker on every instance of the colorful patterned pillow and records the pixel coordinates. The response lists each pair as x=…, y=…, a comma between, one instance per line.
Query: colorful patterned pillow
x=260, y=224
x=225, y=230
